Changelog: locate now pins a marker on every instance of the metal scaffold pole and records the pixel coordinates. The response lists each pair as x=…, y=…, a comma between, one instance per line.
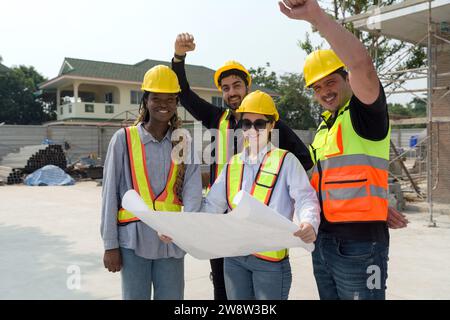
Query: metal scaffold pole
x=430, y=61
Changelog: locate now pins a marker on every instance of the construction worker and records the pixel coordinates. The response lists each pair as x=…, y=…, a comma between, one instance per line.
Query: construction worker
x=140, y=158
x=351, y=155
x=275, y=177
x=234, y=81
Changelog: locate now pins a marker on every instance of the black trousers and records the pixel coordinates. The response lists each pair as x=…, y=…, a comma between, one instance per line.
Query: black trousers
x=218, y=279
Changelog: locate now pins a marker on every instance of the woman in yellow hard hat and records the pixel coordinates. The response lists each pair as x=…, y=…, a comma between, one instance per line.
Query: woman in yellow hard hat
x=140, y=158
x=276, y=178
x=234, y=82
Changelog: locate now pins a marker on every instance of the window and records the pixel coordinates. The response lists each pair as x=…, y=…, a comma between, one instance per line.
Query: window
x=89, y=108
x=109, y=97
x=109, y=109
x=61, y=110
x=217, y=101
x=136, y=97
x=70, y=108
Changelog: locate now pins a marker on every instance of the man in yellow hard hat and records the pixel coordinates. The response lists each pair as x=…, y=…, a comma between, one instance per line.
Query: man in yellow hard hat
x=234, y=81
x=351, y=156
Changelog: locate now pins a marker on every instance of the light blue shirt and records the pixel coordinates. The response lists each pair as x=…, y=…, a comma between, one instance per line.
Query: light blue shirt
x=293, y=192
x=117, y=181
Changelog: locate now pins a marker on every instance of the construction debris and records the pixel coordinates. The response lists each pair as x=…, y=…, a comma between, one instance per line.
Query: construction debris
x=49, y=175
x=86, y=168
x=14, y=166
x=10, y=175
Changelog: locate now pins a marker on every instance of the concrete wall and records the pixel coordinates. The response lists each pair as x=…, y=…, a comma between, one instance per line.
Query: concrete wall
x=85, y=140
x=441, y=131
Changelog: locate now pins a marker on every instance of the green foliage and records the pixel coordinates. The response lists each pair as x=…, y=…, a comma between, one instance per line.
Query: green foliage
x=293, y=102
x=18, y=101
x=381, y=49
x=264, y=78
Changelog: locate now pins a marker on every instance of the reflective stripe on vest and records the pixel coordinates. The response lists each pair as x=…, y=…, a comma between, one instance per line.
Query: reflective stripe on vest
x=221, y=147
x=222, y=156
x=350, y=173
x=262, y=188
x=166, y=200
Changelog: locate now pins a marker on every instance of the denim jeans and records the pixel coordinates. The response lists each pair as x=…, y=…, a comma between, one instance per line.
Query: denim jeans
x=139, y=275
x=250, y=278
x=350, y=270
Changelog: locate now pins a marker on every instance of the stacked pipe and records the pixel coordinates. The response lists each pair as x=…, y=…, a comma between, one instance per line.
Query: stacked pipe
x=53, y=154
x=14, y=167
x=10, y=175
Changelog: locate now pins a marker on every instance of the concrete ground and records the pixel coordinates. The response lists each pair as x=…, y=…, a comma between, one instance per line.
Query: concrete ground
x=47, y=234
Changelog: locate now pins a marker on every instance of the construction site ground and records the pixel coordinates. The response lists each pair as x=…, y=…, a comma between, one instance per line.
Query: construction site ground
x=48, y=234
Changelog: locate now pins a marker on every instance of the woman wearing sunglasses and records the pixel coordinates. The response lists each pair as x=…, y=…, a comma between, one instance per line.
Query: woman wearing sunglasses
x=276, y=178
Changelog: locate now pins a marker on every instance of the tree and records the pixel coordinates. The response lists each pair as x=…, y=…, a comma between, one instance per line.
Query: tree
x=417, y=108
x=19, y=103
x=383, y=50
x=294, y=102
x=264, y=78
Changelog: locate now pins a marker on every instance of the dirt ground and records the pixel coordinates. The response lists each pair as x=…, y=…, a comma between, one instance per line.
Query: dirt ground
x=50, y=234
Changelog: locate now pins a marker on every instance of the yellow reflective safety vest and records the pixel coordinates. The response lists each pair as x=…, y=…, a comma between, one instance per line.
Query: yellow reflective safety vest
x=166, y=200
x=222, y=154
x=350, y=173
x=262, y=188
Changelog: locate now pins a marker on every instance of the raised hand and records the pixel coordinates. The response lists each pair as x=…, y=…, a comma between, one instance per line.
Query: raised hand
x=184, y=43
x=300, y=9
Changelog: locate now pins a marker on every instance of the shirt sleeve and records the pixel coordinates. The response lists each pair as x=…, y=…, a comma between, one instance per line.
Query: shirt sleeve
x=216, y=201
x=112, y=175
x=199, y=108
x=370, y=122
x=306, y=204
x=288, y=140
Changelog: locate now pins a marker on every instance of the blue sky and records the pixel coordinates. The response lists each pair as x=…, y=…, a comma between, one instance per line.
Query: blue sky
x=42, y=32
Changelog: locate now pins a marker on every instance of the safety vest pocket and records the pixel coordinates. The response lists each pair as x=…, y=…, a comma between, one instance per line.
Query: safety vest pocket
x=346, y=196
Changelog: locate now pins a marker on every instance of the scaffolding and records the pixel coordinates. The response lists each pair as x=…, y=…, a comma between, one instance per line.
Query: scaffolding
x=395, y=80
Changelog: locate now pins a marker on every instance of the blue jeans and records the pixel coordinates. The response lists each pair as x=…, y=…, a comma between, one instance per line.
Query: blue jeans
x=350, y=270
x=140, y=274
x=250, y=278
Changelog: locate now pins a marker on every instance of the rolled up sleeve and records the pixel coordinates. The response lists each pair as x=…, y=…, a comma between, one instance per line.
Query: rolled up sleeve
x=307, y=208
x=112, y=174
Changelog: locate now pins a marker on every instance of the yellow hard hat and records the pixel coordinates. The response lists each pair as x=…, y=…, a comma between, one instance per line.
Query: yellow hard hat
x=160, y=79
x=319, y=64
x=230, y=65
x=259, y=102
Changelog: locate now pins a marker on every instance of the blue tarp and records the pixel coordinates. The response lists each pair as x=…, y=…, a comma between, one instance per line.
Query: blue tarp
x=49, y=176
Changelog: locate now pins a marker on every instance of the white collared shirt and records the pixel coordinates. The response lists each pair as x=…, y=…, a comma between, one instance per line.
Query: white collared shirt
x=293, y=192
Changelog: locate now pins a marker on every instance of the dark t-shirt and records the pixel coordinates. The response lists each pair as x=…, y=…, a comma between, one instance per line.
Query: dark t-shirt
x=210, y=115
x=371, y=123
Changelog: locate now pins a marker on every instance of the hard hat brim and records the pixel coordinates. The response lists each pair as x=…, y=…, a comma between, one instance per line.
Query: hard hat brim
x=160, y=90
x=320, y=77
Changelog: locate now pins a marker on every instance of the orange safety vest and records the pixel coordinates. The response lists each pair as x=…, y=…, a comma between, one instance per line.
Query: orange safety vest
x=350, y=173
x=262, y=188
x=167, y=200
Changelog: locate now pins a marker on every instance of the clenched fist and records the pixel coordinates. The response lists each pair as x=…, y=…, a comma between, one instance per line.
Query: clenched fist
x=300, y=9
x=184, y=43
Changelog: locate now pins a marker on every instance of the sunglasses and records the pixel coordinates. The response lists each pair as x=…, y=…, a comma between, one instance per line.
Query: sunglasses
x=259, y=124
